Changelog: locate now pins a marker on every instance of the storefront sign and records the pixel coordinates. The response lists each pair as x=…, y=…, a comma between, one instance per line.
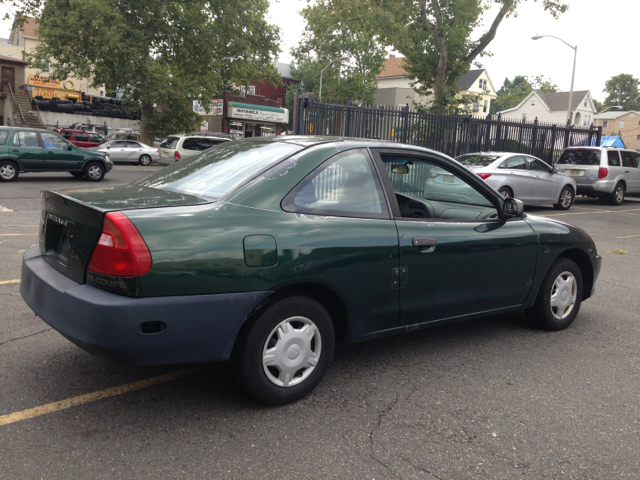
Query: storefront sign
x=44, y=81
x=258, y=113
x=236, y=129
x=215, y=107
x=44, y=92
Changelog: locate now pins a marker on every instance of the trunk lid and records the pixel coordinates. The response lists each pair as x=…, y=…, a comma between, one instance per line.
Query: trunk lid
x=71, y=220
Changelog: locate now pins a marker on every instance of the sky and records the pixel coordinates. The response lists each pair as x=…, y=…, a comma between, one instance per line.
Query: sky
x=605, y=33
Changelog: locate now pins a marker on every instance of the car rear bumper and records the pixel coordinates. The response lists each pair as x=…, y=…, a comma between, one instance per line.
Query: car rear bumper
x=601, y=186
x=199, y=328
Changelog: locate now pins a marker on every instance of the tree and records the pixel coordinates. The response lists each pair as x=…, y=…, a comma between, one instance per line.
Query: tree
x=622, y=90
x=163, y=52
x=325, y=40
x=514, y=91
x=435, y=36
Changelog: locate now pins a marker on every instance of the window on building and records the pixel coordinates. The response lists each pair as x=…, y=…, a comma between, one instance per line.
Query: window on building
x=483, y=84
x=46, y=65
x=621, y=124
x=585, y=103
x=476, y=106
x=533, y=102
x=605, y=123
x=587, y=120
x=485, y=107
x=524, y=117
x=638, y=137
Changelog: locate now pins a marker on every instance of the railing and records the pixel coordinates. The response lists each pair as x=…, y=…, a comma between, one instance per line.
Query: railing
x=453, y=135
x=13, y=101
x=31, y=102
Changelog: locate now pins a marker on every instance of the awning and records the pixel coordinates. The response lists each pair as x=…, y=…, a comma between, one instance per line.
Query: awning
x=258, y=113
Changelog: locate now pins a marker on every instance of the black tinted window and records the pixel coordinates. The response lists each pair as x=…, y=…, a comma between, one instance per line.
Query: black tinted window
x=473, y=160
x=3, y=137
x=66, y=135
x=585, y=156
x=537, y=165
x=81, y=137
x=170, y=142
x=628, y=160
x=200, y=143
x=613, y=158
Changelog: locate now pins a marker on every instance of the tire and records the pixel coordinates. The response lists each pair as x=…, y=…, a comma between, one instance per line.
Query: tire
x=9, y=171
x=94, y=172
x=617, y=196
x=561, y=286
x=77, y=174
x=506, y=192
x=565, y=200
x=145, y=160
x=289, y=375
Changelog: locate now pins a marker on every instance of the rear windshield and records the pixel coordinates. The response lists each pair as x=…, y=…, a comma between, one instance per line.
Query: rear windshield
x=473, y=160
x=585, y=156
x=200, y=143
x=220, y=169
x=170, y=142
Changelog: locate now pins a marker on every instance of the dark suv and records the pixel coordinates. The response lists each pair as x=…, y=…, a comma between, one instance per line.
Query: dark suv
x=34, y=150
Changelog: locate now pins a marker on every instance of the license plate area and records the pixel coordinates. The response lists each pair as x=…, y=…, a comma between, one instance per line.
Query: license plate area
x=165, y=154
x=577, y=173
x=57, y=239
x=447, y=178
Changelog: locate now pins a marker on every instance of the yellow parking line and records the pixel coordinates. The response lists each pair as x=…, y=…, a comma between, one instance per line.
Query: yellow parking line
x=92, y=397
x=12, y=225
x=15, y=234
x=6, y=282
x=629, y=236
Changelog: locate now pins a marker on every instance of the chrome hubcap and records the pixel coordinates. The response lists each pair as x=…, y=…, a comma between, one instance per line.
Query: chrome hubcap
x=7, y=171
x=291, y=352
x=94, y=171
x=619, y=194
x=505, y=193
x=145, y=160
x=563, y=295
x=565, y=198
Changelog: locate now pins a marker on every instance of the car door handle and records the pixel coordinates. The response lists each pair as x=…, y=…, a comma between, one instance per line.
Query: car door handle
x=626, y=171
x=425, y=242
x=15, y=151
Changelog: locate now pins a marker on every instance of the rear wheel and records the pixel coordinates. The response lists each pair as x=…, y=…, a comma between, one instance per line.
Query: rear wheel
x=145, y=160
x=283, y=353
x=8, y=171
x=94, y=172
x=617, y=196
x=565, y=200
x=506, y=192
x=560, y=296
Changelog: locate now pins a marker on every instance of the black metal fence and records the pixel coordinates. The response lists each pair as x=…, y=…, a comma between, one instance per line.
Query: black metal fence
x=452, y=135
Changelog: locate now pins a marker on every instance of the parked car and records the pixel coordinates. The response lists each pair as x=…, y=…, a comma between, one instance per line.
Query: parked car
x=25, y=150
x=524, y=177
x=85, y=127
x=269, y=251
x=130, y=152
x=602, y=172
x=176, y=147
x=125, y=136
x=82, y=139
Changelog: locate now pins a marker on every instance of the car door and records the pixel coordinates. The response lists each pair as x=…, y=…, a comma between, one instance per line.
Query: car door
x=345, y=238
x=458, y=256
x=616, y=170
x=81, y=140
x=546, y=184
x=57, y=155
x=631, y=170
x=515, y=167
x=95, y=140
x=117, y=151
x=26, y=147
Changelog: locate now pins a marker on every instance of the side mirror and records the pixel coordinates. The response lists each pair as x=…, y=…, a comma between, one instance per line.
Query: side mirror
x=554, y=169
x=513, y=207
x=69, y=147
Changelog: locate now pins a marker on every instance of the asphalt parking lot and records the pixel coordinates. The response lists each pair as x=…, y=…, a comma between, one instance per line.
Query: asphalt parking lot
x=490, y=398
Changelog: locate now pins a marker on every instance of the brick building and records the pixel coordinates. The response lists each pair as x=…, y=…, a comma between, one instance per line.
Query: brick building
x=625, y=124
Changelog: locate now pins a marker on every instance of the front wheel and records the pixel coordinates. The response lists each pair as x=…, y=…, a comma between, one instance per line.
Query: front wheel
x=283, y=353
x=559, y=297
x=145, y=160
x=565, y=200
x=94, y=172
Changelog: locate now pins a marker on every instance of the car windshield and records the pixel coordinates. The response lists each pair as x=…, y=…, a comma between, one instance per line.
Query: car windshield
x=170, y=142
x=220, y=169
x=586, y=156
x=475, y=160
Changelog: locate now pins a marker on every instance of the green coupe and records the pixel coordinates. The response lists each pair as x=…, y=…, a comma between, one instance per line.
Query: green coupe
x=269, y=251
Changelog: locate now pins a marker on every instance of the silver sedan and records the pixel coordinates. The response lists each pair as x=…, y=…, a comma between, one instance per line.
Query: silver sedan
x=129, y=151
x=524, y=177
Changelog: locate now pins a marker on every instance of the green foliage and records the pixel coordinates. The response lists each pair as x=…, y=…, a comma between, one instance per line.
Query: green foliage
x=514, y=91
x=623, y=90
x=599, y=105
x=329, y=37
x=163, y=52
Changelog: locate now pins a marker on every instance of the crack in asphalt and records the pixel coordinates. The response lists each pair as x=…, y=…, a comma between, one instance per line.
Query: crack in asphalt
x=381, y=415
x=419, y=468
x=26, y=336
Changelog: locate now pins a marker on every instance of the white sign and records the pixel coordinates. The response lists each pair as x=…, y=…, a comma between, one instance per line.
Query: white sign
x=204, y=126
x=281, y=116
x=215, y=107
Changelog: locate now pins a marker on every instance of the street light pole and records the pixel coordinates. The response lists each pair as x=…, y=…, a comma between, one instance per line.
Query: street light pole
x=573, y=74
x=342, y=59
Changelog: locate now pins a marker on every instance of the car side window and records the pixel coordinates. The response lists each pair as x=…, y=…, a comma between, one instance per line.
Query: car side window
x=81, y=137
x=96, y=138
x=346, y=185
x=3, y=136
x=514, y=163
x=628, y=160
x=536, y=165
x=131, y=145
x=66, y=135
x=49, y=140
x=636, y=158
x=119, y=144
x=26, y=139
x=613, y=158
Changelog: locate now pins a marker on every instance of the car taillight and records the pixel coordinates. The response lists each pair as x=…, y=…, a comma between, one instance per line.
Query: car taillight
x=603, y=172
x=158, y=151
x=432, y=175
x=176, y=155
x=121, y=250
x=484, y=176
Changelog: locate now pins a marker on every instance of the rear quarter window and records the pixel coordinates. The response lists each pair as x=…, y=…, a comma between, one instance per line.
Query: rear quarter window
x=3, y=137
x=580, y=157
x=170, y=142
x=66, y=135
x=477, y=160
